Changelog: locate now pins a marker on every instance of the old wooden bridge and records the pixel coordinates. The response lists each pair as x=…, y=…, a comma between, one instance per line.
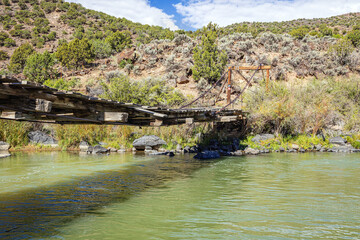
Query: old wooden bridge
x=26, y=101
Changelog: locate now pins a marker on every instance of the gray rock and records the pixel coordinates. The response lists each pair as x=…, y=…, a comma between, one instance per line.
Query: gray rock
x=4, y=146
x=4, y=154
x=295, y=146
x=148, y=149
x=318, y=147
x=238, y=153
x=251, y=151
x=148, y=141
x=301, y=150
x=207, y=155
x=337, y=141
x=99, y=150
x=112, y=149
x=178, y=148
x=85, y=147
x=281, y=149
x=39, y=137
x=262, y=137
x=186, y=149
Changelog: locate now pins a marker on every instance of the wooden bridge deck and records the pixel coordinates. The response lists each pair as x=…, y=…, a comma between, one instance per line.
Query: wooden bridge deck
x=25, y=101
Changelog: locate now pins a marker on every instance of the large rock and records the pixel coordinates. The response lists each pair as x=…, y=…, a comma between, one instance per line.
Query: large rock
x=262, y=137
x=207, y=155
x=337, y=141
x=39, y=137
x=148, y=141
x=4, y=146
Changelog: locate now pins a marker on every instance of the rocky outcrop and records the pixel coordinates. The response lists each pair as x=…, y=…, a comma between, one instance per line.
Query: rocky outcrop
x=337, y=141
x=152, y=141
x=39, y=137
x=4, y=146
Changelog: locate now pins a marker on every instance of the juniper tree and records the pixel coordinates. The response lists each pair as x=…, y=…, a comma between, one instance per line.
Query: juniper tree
x=18, y=59
x=209, y=62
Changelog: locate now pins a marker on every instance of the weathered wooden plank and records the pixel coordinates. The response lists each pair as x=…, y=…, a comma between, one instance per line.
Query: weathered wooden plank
x=116, y=117
x=43, y=105
x=228, y=118
x=16, y=116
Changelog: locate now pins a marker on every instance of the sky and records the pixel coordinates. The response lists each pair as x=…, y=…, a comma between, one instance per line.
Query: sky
x=194, y=14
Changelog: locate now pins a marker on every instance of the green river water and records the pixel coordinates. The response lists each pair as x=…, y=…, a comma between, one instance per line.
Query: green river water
x=125, y=196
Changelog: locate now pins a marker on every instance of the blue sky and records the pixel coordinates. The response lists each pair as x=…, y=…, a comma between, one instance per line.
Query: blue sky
x=168, y=8
x=194, y=14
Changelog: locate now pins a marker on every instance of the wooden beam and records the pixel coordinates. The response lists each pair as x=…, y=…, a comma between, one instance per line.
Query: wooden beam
x=252, y=68
x=189, y=121
x=157, y=123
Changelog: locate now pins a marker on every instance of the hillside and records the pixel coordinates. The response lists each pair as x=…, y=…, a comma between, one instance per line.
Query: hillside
x=295, y=49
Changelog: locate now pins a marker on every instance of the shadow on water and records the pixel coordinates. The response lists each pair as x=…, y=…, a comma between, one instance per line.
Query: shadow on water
x=39, y=212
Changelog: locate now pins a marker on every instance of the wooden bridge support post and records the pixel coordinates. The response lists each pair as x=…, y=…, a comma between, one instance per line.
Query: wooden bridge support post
x=228, y=91
x=267, y=79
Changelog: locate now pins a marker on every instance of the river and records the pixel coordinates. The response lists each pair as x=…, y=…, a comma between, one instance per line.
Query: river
x=124, y=196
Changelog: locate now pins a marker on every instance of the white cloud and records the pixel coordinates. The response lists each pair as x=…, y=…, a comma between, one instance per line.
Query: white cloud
x=134, y=10
x=198, y=13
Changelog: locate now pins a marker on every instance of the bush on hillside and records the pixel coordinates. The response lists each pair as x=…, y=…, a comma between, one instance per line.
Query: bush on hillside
x=150, y=92
x=341, y=51
x=354, y=37
x=75, y=54
x=3, y=55
x=101, y=48
x=119, y=40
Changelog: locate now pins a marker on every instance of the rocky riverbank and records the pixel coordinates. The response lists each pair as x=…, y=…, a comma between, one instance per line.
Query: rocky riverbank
x=206, y=149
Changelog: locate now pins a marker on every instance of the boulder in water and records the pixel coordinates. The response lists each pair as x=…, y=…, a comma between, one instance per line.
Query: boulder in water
x=148, y=141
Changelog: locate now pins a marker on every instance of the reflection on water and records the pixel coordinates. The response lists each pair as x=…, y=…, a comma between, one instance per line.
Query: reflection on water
x=277, y=196
x=38, y=211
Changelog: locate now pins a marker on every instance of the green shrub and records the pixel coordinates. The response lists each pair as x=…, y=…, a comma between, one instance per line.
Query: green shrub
x=75, y=53
x=300, y=32
x=354, y=37
x=101, y=48
x=18, y=59
x=342, y=50
x=14, y=133
x=48, y=7
x=61, y=84
x=150, y=92
x=119, y=40
x=39, y=67
x=3, y=55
